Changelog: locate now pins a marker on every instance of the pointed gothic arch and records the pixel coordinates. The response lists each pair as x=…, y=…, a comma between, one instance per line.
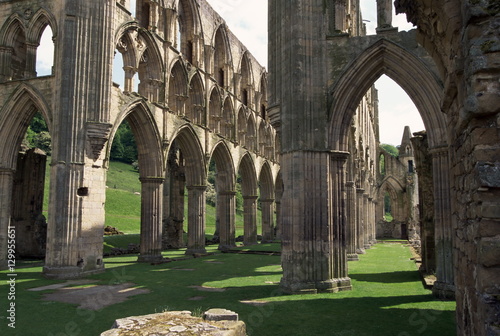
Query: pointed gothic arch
x=16, y=115
x=195, y=104
x=385, y=57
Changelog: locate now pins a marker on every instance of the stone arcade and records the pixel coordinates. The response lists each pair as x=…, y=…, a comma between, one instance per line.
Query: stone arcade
x=306, y=134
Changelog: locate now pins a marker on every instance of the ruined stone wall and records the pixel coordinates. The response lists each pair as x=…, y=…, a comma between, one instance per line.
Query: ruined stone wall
x=463, y=37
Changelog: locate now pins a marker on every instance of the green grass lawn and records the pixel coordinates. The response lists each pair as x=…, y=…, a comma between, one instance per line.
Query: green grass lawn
x=387, y=297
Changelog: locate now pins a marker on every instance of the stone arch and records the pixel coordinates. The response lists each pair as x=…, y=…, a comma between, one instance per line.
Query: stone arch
x=385, y=57
x=227, y=127
x=222, y=57
x=214, y=110
x=177, y=88
x=190, y=31
x=192, y=151
x=150, y=68
x=261, y=97
x=13, y=37
x=15, y=118
x=147, y=136
x=38, y=23
x=196, y=176
x=246, y=169
x=246, y=80
x=226, y=194
x=195, y=110
x=267, y=194
x=396, y=190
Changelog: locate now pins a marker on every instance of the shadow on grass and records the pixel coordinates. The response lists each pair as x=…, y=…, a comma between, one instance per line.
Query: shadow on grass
x=399, y=309
x=387, y=277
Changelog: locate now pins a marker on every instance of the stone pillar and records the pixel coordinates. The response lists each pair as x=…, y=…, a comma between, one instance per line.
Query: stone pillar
x=352, y=232
x=366, y=234
x=267, y=220
x=80, y=129
x=338, y=219
x=310, y=239
x=30, y=71
x=226, y=208
x=384, y=14
x=196, y=219
x=444, y=287
x=278, y=218
x=371, y=221
x=426, y=190
x=151, y=224
x=360, y=227
x=250, y=220
x=173, y=227
x=6, y=182
x=5, y=63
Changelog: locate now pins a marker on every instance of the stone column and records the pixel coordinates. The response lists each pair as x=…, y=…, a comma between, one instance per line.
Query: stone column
x=384, y=14
x=196, y=219
x=444, y=287
x=310, y=239
x=5, y=64
x=30, y=71
x=366, y=222
x=250, y=220
x=173, y=236
x=338, y=219
x=6, y=183
x=360, y=227
x=151, y=224
x=371, y=221
x=267, y=220
x=352, y=232
x=226, y=208
x=278, y=218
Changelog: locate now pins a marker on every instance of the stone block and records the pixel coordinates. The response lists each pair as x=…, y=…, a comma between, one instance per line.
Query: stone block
x=489, y=252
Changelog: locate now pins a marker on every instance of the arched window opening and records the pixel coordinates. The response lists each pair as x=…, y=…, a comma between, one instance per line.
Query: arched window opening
x=118, y=76
x=45, y=53
x=122, y=183
x=185, y=31
x=245, y=81
x=220, y=58
x=387, y=208
x=382, y=169
x=215, y=112
x=244, y=97
x=411, y=169
x=228, y=120
x=30, y=190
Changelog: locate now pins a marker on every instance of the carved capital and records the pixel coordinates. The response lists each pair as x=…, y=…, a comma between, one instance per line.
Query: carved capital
x=97, y=135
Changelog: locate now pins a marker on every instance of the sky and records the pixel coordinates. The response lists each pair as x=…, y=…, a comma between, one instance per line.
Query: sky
x=248, y=21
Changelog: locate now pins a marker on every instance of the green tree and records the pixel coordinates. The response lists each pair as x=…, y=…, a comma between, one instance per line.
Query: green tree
x=390, y=149
x=124, y=147
x=37, y=134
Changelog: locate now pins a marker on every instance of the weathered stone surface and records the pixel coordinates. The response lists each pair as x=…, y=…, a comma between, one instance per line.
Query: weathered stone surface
x=178, y=323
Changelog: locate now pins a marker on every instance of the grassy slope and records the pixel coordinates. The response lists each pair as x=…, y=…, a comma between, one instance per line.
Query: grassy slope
x=387, y=297
x=123, y=205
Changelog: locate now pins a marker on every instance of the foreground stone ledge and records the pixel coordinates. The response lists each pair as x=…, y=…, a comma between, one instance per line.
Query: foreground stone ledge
x=217, y=322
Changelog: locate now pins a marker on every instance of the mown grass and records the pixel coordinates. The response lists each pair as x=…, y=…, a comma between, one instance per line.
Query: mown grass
x=387, y=297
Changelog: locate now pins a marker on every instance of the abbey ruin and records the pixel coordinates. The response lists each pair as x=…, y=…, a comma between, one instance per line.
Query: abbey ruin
x=303, y=135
